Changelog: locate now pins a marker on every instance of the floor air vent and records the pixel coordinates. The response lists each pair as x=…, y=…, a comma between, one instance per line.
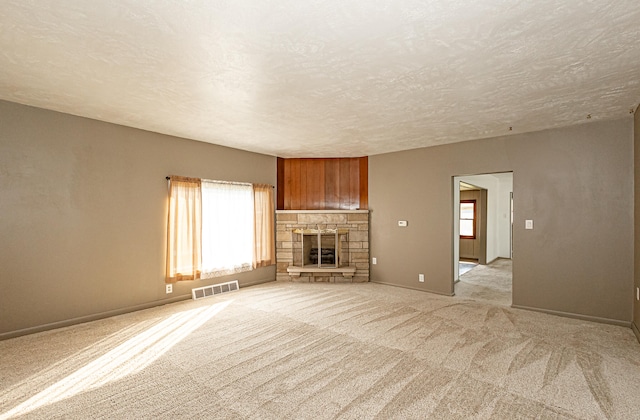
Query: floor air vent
x=214, y=289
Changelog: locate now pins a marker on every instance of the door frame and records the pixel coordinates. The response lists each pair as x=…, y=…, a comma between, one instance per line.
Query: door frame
x=455, y=185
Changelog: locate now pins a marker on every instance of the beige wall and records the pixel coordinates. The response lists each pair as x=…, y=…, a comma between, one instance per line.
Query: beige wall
x=636, y=303
x=83, y=214
x=576, y=184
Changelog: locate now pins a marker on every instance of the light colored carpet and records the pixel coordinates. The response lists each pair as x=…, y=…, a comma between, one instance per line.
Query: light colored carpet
x=295, y=350
x=487, y=283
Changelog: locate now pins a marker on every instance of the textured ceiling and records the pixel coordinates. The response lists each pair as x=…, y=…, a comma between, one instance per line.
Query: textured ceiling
x=324, y=78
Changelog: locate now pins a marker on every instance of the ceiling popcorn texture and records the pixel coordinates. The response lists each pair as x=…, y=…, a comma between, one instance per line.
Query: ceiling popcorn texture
x=325, y=78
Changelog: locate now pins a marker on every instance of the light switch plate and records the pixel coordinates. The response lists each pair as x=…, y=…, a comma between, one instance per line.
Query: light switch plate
x=402, y=223
x=528, y=224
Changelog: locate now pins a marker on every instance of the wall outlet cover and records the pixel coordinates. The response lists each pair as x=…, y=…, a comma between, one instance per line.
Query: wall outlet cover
x=169, y=288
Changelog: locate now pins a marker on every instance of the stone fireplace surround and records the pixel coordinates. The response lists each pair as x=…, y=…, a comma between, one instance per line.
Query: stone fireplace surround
x=355, y=250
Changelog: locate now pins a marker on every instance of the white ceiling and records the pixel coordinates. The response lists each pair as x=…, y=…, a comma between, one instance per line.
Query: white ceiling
x=326, y=78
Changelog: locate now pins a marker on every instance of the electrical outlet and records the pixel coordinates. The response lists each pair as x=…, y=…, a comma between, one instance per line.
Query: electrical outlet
x=169, y=288
x=374, y=260
x=421, y=278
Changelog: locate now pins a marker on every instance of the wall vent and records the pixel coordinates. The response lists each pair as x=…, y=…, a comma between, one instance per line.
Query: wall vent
x=214, y=289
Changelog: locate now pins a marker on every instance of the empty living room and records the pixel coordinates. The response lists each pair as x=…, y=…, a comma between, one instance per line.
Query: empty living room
x=258, y=209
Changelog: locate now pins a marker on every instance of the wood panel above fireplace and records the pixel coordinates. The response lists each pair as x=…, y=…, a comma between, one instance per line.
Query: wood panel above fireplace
x=323, y=184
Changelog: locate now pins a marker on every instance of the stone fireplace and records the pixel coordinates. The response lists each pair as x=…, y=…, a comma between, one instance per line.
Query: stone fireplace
x=322, y=245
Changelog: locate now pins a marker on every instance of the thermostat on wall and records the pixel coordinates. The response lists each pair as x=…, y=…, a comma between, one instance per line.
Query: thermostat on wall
x=402, y=223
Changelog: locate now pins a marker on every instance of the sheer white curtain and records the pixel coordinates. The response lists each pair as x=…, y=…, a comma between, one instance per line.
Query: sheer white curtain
x=227, y=229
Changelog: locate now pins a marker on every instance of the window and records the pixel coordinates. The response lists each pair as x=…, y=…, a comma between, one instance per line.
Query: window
x=468, y=219
x=217, y=228
x=227, y=228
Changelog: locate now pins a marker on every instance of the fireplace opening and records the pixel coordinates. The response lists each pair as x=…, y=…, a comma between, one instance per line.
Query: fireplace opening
x=327, y=256
x=321, y=247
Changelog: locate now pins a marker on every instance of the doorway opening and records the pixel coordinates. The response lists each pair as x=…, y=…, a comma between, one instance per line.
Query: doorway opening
x=482, y=237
